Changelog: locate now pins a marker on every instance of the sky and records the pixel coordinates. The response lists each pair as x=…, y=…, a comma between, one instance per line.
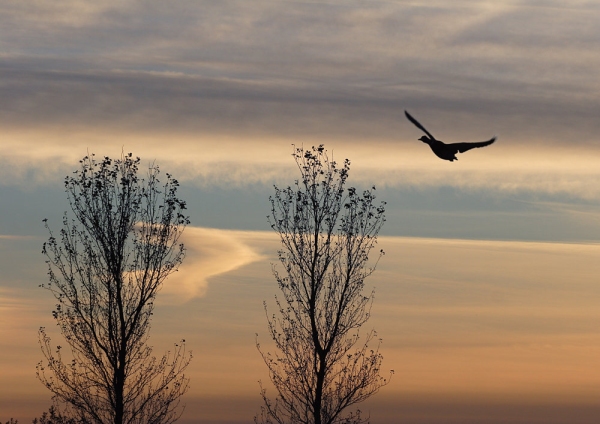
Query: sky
x=486, y=300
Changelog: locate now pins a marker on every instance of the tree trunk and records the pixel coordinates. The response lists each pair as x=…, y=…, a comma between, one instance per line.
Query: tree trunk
x=319, y=389
x=120, y=389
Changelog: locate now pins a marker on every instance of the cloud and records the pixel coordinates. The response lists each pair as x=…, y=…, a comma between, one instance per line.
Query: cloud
x=16, y=237
x=210, y=252
x=227, y=162
x=341, y=70
x=216, y=92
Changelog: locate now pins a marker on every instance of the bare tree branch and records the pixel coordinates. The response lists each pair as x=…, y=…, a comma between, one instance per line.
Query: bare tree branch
x=326, y=233
x=105, y=269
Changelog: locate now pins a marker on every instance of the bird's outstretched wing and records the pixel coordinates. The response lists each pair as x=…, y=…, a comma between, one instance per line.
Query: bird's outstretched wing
x=421, y=127
x=463, y=147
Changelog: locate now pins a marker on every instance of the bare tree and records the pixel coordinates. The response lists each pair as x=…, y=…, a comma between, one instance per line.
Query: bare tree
x=105, y=270
x=322, y=366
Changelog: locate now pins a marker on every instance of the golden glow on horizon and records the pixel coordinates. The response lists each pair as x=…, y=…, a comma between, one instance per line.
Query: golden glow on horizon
x=233, y=161
x=462, y=318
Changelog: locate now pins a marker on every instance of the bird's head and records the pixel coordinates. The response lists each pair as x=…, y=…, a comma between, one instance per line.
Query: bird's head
x=425, y=139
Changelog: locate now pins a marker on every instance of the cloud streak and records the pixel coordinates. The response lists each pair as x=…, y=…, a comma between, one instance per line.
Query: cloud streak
x=226, y=162
x=210, y=252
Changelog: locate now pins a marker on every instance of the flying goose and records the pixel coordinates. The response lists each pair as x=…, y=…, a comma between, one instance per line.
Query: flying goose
x=443, y=150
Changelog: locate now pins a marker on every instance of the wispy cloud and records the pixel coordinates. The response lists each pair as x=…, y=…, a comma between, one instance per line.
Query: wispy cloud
x=216, y=161
x=16, y=237
x=210, y=252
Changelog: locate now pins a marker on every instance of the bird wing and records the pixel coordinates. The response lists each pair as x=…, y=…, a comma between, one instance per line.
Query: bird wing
x=421, y=127
x=463, y=147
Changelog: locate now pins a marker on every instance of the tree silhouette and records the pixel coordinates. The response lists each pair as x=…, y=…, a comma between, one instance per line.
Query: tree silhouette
x=322, y=366
x=53, y=417
x=105, y=269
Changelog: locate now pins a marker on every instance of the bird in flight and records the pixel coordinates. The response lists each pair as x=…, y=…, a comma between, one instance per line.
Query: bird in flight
x=443, y=150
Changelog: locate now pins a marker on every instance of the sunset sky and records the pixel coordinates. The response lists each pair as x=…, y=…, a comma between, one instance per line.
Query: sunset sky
x=487, y=300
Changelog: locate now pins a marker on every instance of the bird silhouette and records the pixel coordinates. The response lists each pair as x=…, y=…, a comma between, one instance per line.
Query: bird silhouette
x=443, y=150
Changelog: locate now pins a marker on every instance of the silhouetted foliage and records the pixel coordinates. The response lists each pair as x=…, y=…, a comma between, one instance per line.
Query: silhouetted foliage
x=105, y=269
x=53, y=417
x=322, y=366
